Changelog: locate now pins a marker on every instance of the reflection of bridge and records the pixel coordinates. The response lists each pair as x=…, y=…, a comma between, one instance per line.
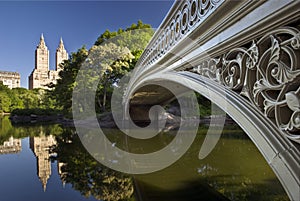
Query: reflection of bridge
x=244, y=57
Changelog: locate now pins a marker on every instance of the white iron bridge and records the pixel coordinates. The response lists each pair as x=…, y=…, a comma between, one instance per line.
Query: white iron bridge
x=244, y=56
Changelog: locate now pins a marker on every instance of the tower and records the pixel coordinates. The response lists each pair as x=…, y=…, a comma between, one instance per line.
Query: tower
x=61, y=55
x=41, y=76
x=42, y=56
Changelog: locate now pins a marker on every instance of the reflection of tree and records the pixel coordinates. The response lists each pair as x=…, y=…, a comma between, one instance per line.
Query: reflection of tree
x=7, y=130
x=86, y=174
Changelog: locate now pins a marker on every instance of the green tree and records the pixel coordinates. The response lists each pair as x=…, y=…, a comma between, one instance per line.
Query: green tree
x=124, y=40
x=17, y=99
x=49, y=101
x=135, y=38
x=5, y=102
x=3, y=87
x=32, y=99
x=127, y=44
x=21, y=98
x=65, y=84
x=112, y=62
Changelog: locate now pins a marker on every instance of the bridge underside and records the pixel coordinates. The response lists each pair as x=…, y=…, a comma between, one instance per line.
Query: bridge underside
x=148, y=96
x=151, y=95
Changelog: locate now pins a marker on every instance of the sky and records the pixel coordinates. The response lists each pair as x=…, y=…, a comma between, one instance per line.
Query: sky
x=77, y=22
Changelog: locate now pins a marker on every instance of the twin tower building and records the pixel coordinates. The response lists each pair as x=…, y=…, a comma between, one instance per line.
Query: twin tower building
x=41, y=76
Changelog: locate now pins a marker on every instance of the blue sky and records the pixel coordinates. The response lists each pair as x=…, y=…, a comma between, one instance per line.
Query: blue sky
x=78, y=22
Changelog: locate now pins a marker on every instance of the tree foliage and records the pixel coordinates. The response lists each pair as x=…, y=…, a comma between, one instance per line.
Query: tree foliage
x=112, y=62
x=21, y=98
x=135, y=38
x=115, y=53
x=5, y=102
x=9, y=130
x=108, y=35
x=65, y=84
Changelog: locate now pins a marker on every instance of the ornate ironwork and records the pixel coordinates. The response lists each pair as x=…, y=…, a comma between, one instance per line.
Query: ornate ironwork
x=189, y=15
x=267, y=72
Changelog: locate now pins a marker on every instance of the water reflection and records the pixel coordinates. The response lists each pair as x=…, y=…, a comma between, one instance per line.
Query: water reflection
x=88, y=176
x=234, y=169
x=11, y=146
x=49, y=163
x=40, y=147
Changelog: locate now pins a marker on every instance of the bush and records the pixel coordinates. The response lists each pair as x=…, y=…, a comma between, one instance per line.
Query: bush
x=35, y=111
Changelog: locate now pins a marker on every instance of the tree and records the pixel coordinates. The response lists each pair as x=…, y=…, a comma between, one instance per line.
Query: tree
x=21, y=98
x=135, y=38
x=107, y=35
x=65, y=84
x=49, y=101
x=112, y=61
x=4, y=102
x=139, y=26
x=125, y=46
x=17, y=97
x=32, y=98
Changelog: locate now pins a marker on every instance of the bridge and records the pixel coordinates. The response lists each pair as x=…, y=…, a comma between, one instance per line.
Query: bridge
x=244, y=56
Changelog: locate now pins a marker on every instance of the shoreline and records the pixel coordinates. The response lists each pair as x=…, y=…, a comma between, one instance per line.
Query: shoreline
x=106, y=121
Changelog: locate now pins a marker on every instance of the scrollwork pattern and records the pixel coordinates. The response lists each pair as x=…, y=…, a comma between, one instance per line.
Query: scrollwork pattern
x=267, y=72
x=190, y=15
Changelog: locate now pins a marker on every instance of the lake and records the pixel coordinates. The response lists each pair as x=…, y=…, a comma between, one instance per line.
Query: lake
x=48, y=162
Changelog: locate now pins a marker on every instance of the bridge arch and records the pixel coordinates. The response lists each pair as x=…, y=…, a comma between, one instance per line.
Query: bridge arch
x=281, y=154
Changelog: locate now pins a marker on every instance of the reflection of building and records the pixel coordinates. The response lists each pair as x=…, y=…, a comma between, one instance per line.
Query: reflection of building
x=10, y=79
x=61, y=172
x=40, y=146
x=11, y=146
x=41, y=75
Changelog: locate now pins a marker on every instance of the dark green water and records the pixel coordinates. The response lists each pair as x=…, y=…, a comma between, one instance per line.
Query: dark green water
x=49, y=163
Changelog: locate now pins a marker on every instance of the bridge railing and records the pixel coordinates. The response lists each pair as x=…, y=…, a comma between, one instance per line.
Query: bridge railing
x=183, y=18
